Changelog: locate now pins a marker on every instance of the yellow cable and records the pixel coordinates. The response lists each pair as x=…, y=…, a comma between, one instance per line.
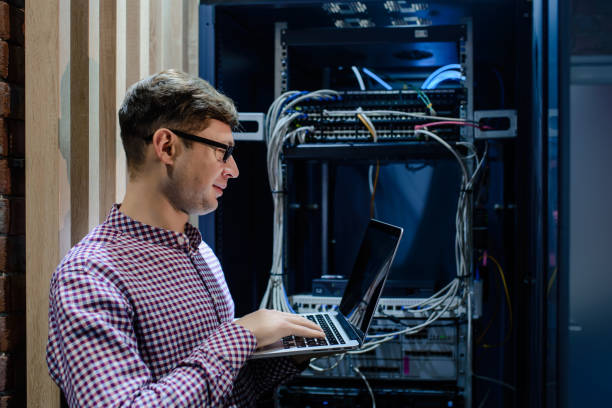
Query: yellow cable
x=503, y=278
x=367, y=125
x=492, y=319
x=371, y=130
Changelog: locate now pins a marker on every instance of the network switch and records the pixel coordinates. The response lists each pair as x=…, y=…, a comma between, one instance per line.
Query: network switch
x=429, y=355
x=335, y=119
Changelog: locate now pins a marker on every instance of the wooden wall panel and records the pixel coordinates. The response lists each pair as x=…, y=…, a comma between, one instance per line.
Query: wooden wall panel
x=79, y=118
x=81, y=55
x=172, y=35
x=108, y=105
x=42, y=188
x=120, y=164
x=190, y=36
x=94, y=114
x=155, y=35
x=144, y=37
x=132, y=42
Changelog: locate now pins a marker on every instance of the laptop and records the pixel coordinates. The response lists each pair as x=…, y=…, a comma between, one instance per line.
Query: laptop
x=346, y=329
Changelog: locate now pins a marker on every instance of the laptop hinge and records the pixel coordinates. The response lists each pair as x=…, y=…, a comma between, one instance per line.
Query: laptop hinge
x=351, y=331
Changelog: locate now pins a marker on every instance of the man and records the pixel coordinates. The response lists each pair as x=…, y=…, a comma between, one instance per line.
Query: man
x=140, y=313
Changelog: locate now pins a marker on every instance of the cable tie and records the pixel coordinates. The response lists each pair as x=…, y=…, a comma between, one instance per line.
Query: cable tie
x=279, y=191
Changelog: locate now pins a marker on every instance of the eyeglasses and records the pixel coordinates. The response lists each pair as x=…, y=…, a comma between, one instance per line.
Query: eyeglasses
x=228, y=149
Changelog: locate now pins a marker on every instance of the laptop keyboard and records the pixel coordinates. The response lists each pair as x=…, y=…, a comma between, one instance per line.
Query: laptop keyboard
x=332, y=335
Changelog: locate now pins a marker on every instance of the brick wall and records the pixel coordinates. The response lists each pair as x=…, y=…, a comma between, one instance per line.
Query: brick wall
x=12, y=205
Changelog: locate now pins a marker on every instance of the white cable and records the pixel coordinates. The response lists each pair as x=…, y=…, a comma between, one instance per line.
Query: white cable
x=331, y=367
x=432, y=318
x=448, y=147
x=434, y=296
x=363, y=377
x=359, y=77
x=371, y=345
x=277, y=124
x=462, y=218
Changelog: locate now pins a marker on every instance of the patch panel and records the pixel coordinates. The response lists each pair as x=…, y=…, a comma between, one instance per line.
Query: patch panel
x=395, y=307
x=334, y=119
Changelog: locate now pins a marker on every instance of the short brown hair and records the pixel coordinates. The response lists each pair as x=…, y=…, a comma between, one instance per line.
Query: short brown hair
x=170, y=99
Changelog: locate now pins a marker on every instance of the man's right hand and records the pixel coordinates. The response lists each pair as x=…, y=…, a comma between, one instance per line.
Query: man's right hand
x=269, y=326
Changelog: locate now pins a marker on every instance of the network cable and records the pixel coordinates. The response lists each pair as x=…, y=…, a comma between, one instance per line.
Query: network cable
x=440, y=71
x=363, y=377
x=277, y=125
x=359, y=77
x=444, y=76
x=377, y=79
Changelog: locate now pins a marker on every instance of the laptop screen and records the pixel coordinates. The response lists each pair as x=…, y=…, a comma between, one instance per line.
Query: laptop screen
x=369, y=273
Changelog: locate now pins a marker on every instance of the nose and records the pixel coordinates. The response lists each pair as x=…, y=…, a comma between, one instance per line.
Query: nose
x=231, y=168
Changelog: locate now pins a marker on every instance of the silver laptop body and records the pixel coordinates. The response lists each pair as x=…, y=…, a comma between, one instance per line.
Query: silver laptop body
x=346, y=328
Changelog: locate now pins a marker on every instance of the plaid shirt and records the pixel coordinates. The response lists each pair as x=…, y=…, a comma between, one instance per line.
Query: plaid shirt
x=140, y=316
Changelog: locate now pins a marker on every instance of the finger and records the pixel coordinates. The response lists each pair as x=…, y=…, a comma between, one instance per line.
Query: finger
x=302, y=331
x=302, y=321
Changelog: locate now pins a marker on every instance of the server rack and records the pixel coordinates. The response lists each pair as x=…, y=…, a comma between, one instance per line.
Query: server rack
x=330, y=153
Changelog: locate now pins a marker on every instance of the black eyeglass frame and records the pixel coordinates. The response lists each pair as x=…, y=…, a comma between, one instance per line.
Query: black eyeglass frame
x=229, y=149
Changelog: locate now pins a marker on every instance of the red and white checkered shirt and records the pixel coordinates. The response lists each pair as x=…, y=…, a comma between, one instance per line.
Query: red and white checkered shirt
x=140, y=316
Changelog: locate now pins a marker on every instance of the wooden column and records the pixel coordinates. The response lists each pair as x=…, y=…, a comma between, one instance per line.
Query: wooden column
x=108, y=105
x=155, y=35
x=190, y=36
x=42, y=188
x=132, y=42
x=76, y=76
x=79, y=118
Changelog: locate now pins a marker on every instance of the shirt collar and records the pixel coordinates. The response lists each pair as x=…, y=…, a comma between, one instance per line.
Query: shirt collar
x=189, y=241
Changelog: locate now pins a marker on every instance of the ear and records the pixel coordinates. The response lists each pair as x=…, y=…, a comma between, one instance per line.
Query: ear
x=165, y=145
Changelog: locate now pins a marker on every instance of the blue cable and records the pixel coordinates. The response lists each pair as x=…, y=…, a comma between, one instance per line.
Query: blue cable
x=444, y=76
x=439, y=71
x=289, y=99
x=287, y=301
x=377, y=79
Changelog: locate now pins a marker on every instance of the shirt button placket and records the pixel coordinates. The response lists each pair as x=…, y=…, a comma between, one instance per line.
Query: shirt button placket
x=201, y=266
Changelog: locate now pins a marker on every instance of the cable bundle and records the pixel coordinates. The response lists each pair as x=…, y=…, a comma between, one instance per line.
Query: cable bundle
x=276, y=127
x=444, y=300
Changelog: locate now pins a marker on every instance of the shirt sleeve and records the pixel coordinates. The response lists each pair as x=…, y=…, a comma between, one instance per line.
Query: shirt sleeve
x=260, y=376
x=93, y=352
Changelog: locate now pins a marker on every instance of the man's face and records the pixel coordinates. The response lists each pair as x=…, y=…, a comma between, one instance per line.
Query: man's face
x=199, y=175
